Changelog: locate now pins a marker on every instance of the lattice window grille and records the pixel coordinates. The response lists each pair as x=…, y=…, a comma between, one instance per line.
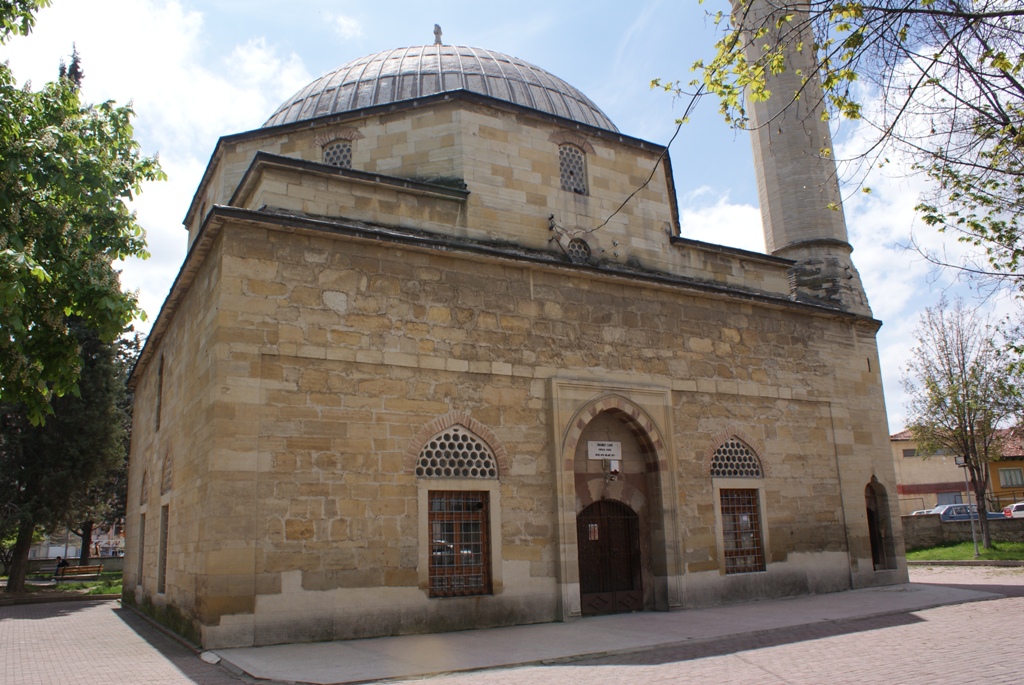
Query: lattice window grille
x=733, y=459
x=456, y=453
x=741, y=520
x=460, y=555
x=578, y=251
x=339, y=154
x=572, y=167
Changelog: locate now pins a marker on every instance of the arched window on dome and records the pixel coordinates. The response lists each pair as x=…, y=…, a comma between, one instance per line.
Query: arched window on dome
x=572, y=168
x=338, y=153
x=738, y=479
x=457, y=473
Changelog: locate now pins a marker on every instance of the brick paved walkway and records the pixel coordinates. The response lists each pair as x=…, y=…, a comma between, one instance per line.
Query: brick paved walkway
x=966, y=644
x=75, y=642
x=67, y=643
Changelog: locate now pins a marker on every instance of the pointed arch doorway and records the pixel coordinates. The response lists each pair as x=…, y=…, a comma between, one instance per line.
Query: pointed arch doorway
x=608, y=536
x=618, y=515
x=883, y=549
x=643, y=481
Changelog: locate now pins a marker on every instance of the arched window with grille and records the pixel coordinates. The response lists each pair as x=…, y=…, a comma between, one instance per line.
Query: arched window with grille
x=338, y=153
x=458, y=473
x=572, y=169
x=738, y=476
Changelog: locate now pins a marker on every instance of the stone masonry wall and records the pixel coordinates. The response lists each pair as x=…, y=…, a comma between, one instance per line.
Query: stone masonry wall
x=342, y=350
x=929, y=531
x=509, y=163
x=169, y=465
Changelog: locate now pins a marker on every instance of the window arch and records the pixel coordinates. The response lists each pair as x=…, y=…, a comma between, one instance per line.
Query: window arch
x=456, y=453
x=572, y=168
x=578, y=251
x=734, y=459
x=338, y=154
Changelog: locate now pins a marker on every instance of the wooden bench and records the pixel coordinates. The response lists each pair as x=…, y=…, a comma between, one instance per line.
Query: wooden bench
x=79, y=572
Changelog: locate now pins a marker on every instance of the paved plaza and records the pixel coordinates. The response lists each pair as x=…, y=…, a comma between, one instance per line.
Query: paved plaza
x=974, y=641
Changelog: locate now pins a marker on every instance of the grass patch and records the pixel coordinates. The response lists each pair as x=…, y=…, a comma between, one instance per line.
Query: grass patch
x=964, y=551
x=108, y=587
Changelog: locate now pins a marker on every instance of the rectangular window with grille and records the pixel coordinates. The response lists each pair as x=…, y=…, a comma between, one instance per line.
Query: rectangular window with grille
x=1011, y=478
x=460, y=556
x=142, y=549
x=741, y=523
x=161, y=577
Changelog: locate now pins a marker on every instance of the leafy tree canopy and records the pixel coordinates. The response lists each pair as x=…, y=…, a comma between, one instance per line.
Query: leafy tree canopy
x=17, y=17
x=938, y=80
x=67, y=170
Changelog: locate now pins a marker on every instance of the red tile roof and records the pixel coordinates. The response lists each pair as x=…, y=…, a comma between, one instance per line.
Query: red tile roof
x=1013, y=447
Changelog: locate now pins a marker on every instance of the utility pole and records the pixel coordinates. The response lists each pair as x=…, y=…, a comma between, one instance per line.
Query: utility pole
x=962, y=463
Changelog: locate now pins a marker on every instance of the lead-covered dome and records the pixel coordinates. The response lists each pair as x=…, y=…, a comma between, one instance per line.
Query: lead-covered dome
x=408, y=73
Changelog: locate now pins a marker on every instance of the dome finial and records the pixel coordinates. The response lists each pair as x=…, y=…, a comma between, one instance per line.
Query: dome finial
x=437, y=34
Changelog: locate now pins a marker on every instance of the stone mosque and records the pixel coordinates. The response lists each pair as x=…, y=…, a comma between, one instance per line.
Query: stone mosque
x=438, y=358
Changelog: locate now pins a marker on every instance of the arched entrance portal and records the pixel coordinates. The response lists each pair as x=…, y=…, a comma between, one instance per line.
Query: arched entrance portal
x=614, y=528
x=613, y=452
x=883, y=548
x=608, y=535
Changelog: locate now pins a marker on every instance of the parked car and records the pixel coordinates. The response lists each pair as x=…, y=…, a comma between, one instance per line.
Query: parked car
x=1014, y=511
x=962, y=512
x=920, y=512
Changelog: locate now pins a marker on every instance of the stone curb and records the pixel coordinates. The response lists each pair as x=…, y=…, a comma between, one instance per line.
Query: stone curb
x=970, y=562
x=14, y=601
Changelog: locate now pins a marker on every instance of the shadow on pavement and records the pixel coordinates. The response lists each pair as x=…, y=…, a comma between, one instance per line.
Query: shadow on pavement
x=55, y=608
x=744, y=643
x=176, y=653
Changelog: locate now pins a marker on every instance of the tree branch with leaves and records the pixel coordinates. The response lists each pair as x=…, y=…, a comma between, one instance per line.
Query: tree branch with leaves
x=938, y=82
x=67, y=172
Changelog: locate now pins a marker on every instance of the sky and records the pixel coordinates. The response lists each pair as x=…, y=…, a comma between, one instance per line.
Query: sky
x=195, y=71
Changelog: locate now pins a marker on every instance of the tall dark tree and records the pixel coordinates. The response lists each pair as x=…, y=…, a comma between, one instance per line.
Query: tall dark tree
x=47, y=471
x=104, y=503
x=73, y=72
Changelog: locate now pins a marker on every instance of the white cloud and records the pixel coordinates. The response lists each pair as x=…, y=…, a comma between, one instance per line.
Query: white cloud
x=900, y=283
x=707, y=215
x=156, y=54
x=190, y=85
x=347, y=27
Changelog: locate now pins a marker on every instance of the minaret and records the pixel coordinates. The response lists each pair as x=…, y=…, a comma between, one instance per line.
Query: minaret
x=797, y=184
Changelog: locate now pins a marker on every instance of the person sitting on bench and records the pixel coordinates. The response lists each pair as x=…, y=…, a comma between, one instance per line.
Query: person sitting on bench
x=61, y=565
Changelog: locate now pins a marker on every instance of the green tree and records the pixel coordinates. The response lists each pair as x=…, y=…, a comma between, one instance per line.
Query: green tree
x=960, y=395
x=939, y=81
x=48, y=471
x=104, y=503
x=17, y=17
x=67, y=170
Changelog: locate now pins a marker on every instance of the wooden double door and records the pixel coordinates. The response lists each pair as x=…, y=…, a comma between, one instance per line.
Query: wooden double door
x=608, y=537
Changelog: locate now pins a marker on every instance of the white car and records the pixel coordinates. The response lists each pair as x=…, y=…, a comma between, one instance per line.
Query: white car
x=1014, y=511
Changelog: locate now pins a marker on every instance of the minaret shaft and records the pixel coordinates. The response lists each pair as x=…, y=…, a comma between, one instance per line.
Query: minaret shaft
x=801, y=208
